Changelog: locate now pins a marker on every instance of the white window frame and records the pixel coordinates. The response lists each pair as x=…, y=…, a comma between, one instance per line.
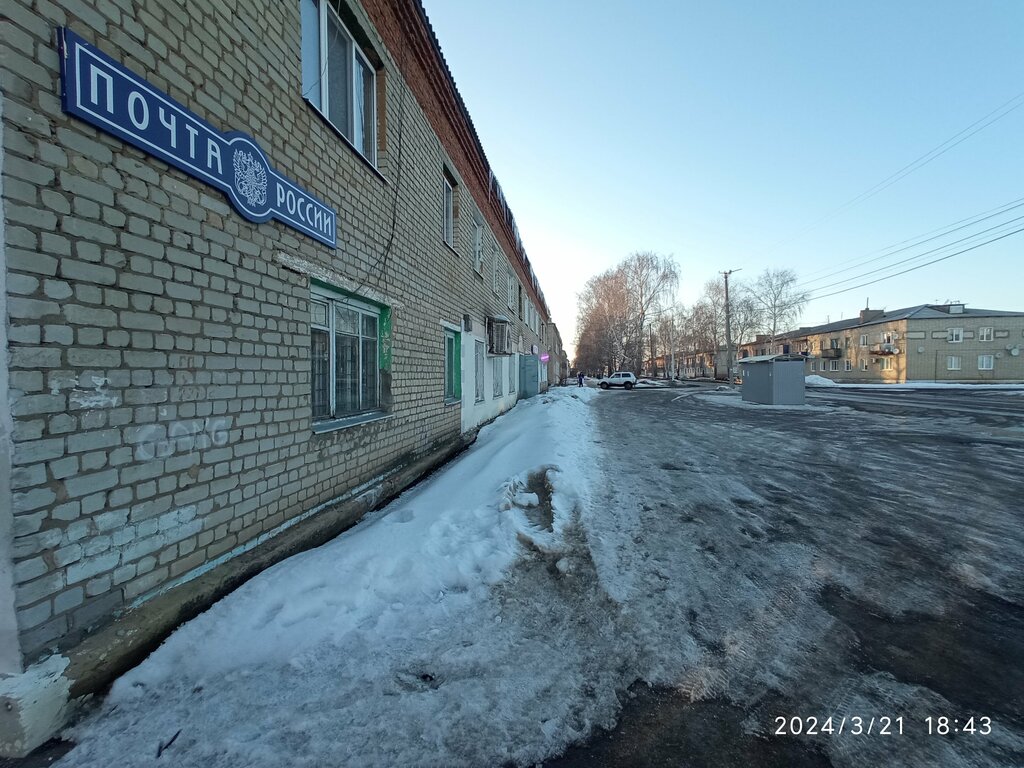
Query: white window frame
x=833, y=365
x=447, y=211
x=496, y=277
x=989, y=359
x=954, y=363
x=954, y=335
x=316, y=85
x=333, y=301
x=511, y=290
x=479, y=356
x=497, y=377
x=478, y=244
x=986, y=333
x=864, y=365
x=847, y=365
x=863, y=340
x=885, y=364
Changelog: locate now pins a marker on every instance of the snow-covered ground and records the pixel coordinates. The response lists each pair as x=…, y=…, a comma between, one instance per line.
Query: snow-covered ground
x=768, y=563
x=820, y=381
x=412, y=639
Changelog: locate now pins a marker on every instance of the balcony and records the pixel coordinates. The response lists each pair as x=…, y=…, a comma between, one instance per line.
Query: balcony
x=833, y=353
x=884, y=349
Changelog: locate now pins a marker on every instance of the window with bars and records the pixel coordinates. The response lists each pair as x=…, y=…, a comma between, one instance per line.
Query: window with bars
x=337, y=78
x=344, y=351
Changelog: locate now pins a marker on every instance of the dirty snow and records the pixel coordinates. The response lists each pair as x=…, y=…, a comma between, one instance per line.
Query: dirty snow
x=414, y=638
x=820, y=381
x=735, y=400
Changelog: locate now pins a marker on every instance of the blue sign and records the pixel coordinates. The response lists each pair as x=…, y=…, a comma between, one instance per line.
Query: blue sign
x=100, y=91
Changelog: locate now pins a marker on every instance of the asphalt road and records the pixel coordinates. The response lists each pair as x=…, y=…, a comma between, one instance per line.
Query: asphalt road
x=939, y=401
x=858, y=558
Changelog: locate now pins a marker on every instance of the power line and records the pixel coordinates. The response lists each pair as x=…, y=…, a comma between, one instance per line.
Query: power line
x=920, y=266
x=893, y=249
x=920, y=255
x=920, y=162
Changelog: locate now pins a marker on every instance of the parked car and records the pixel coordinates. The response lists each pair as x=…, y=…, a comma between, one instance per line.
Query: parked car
x=618, y=379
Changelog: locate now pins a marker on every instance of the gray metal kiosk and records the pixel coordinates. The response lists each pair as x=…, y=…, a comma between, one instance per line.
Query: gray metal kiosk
x=773, y=379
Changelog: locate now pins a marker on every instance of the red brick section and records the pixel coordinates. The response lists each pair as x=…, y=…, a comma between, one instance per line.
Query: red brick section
x=408, y=37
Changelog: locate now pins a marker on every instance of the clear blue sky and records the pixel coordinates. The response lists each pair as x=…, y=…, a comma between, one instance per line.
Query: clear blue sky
x=718, y=131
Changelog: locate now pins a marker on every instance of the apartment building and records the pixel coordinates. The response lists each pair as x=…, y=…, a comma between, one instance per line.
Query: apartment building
x=929, y=342
x=257, y=276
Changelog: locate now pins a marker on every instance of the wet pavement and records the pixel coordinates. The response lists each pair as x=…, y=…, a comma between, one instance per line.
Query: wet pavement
x=827, y=567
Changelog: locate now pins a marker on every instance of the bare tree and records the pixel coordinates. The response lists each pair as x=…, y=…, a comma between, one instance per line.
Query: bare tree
x=616, y=309
x=779, y=299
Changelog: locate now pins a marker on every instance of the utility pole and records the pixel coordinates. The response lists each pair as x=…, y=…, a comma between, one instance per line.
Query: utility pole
x=728, y=328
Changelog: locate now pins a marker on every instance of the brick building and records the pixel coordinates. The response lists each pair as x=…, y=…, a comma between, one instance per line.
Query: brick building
x=258, y=276
x=929, y=342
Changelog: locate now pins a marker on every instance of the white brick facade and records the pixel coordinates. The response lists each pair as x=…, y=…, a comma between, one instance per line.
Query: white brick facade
x=159, y=342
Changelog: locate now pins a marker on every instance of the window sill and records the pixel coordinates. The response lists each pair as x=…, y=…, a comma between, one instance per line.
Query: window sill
x=333, y=425
x=334, y=129
x=452, y=402
x=451, y=248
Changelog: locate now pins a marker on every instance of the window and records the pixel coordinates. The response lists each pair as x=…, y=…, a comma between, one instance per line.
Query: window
x=497, y=376
x=833, y=343
x=511, y=291
x=954, y=335
x=496, y=277
x=344, y=354
x=337, y=78
x=452, y=366
x=863, y=339
x=833, y=365
x=986, y=362
x=886, y=337
x=478, y=367
x=448, y=212
x=986, y=334
x=813, y=368
x=511, y=374
x=885, y=364
x=847, y=365
x=953, y=362
x=478, y=244
x=863, y=365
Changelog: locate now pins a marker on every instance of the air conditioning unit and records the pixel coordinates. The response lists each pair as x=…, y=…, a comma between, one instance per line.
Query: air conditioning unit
x=499, y=337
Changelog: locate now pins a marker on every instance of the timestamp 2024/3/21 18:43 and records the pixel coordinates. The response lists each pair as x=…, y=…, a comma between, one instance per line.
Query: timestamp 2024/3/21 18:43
x=857, y=725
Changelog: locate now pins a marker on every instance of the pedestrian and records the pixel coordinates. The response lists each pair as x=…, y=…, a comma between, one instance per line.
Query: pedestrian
x=579, y=379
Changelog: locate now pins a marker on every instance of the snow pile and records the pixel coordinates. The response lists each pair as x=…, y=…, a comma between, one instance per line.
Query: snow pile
x=818, y=381
x=461, y=625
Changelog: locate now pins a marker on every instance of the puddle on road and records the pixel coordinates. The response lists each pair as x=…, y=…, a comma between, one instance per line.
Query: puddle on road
x=970, y=656
x=662, y=727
